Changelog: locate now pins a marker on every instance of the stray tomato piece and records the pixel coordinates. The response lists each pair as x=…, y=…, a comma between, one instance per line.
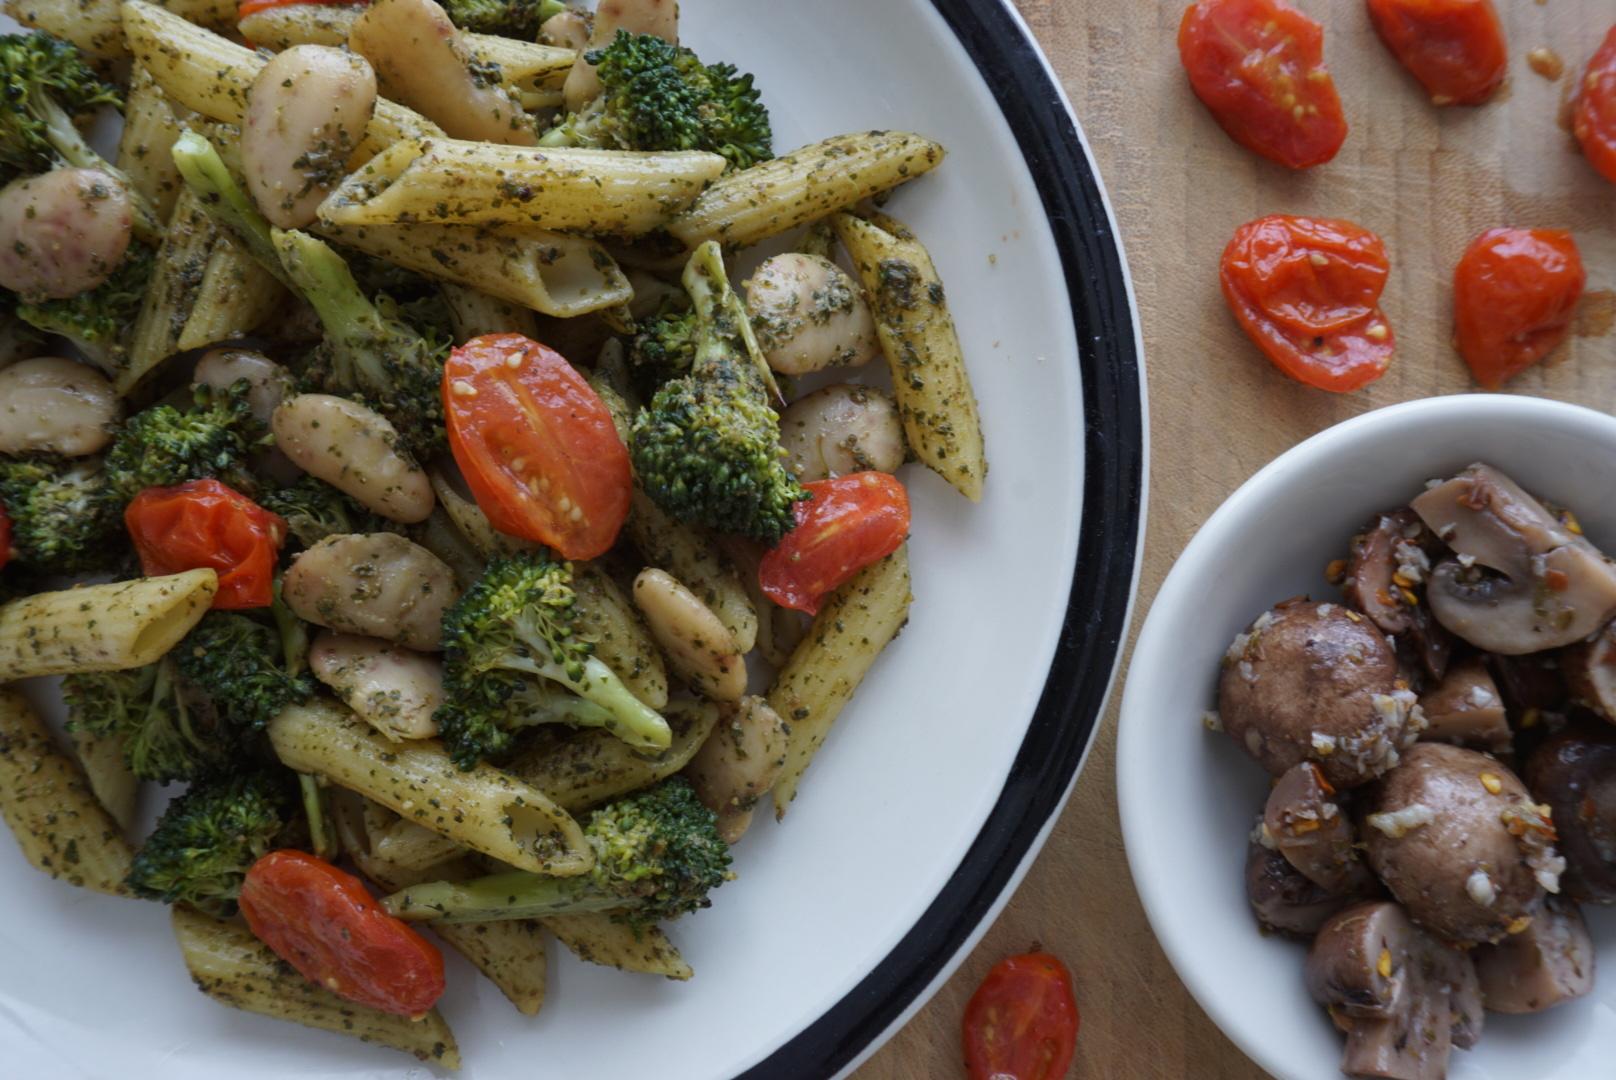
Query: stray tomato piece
x=1307, y=291
x=851, y=522
x=1259, y=66
x=1515, y=292
x=203, y=523
x=1021, y=1024
x=324, y=923
x=1454, y=48
x=1593, y=119
x=536, y=444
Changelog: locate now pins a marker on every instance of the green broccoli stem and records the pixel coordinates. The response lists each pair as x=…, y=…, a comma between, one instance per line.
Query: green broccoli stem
x=322, y=276
x=205, y=173
x=322, y=834
x=67, y=141
x=497, y=897
x=549, y=9
x=629, y=718
x=721, y=315
x=293, y=631
x=559, y=136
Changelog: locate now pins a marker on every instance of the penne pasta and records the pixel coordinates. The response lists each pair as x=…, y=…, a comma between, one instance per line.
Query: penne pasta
x=236, y=296
x=469, y=518
x=922, y=349
x=561, y=276
x=775, y=196
x=597, y=938
x=113, y=627
x=855, y=623
x=285, y=25
x=116, y=788
x=481, y=808
x=62, y=830
x=451, y=181
x=608, y=620
x=96, y=26
x=234, y=968
x=411, y=847
x=476, y=313
x=171, y=295
x=150, y=128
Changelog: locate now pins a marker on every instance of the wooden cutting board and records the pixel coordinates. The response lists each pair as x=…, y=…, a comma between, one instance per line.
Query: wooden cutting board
x=1428, y=181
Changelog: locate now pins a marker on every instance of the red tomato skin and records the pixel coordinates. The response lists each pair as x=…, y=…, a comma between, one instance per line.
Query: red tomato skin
x=1455, y=49
x=203, y=523
x=1258, y=65
x=543, y=414
x=1593, y=119
x=1515, y=293
x=1318, y=321
x=5, y=537
x=851, y=522
x=1022, y=1022
x=325, y=924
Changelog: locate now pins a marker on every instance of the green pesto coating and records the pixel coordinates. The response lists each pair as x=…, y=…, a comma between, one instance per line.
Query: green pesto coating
x=163, y=445
x=98, y=321
x=241, y=665
x=314, y=510
x=167, y=734
x=63, y=519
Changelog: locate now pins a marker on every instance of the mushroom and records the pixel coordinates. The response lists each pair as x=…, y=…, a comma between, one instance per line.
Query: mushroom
x=1307, y=825
x=1574, y=773
x=1531, y=682
x=1317, y=682
x=1590, y=672
x=1459, y=842
x=1403, y=998
x=1467, y=709
x=1521, y=581
x=1547, y=964
x=1386, y=574
x=1284, y=901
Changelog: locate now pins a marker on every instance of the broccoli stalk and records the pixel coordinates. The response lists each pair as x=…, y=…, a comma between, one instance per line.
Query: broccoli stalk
x=658, y=855
x=164, y=445
x=513, y=633
x=322, y=829
x=206, y=174
x=96, y=321
x=166, y=736
x=368, y=354
x=656, y=95
x=208, y=838
x=63, y=519
x=240, y=663
x=507, y=18
x=707, y=448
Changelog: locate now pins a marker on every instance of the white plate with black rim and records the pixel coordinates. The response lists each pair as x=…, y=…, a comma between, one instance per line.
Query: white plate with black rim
x=940, y=781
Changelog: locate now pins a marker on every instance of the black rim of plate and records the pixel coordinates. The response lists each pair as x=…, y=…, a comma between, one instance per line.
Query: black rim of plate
x=1096, y=614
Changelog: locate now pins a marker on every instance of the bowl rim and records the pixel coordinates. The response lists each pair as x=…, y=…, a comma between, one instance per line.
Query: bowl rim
x=1158, y=898
x=1105, y=578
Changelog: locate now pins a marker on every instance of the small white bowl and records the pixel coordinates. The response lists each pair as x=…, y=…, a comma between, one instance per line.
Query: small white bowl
x=1189, y=796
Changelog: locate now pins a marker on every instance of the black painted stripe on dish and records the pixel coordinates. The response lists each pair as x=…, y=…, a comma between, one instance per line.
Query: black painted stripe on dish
x=1069, y=709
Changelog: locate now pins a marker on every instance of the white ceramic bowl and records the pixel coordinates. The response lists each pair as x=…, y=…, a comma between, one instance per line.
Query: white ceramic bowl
x=1189, y=797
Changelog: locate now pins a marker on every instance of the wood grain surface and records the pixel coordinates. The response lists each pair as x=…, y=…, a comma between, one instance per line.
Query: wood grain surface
x=1428, y=181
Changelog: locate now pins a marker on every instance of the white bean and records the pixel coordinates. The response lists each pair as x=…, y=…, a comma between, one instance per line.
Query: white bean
x=694, y=639
x=809, y=315
x=568, y=30
x=739, y=763
x=422, y=63
x=356, y=450
x=55, y=406
x=374, y=584
x=391, y=688
x=62, y=233
x=841, y=429
x=659, y=17
x=268, y=384
x=306, y=114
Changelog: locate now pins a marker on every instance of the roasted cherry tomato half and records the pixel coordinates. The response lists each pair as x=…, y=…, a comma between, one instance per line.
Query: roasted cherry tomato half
x=851, y=522
x=536, y=444
x=1307, y=291
x=1259, y=66
x=324, y=923
x=1593, y=119
x=1515, y=293
x=1021, y=1024
x=203, y=523
x=1454, y=48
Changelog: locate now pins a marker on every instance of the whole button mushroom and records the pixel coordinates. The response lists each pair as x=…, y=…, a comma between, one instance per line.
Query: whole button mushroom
x=1458, y=840
x=63, y=232
x=1385, y=580
x=1467, y=709
x=1574, y=773
x=1521, y=581
x=1549, y=963
x=53, y=406
x=809, y=315
x=372, y=584
x=1317, y=682
x=1282, y=899
x=1306, y=823
x=1590, y=672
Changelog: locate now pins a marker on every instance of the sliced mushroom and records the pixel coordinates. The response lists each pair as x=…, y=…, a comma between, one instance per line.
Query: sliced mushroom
x=373, y=584
x=1522, y=581
x=1317, y=682
x=392, y=689
x=1402, y=997
x=1387, y=564
x=1283, y=900
x=1467, y=709
x=1547, y=964
x=1574, y=772
x=1305, y=821
x=1459, y=842
x=1590, y=672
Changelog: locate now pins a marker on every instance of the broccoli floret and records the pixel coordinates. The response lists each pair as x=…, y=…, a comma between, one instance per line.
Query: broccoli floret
x=659, y=96
x=208, y=838
x=96, y=322
x=507, y=18
x=164, y=445
x=240, y=664
x=663, y=349
x=707, y=448
x=368, y=354
x=167, y=734
x=657, y=856
x=512, y=633
x=63, y=518
x=314, y=510
x=18, y=340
